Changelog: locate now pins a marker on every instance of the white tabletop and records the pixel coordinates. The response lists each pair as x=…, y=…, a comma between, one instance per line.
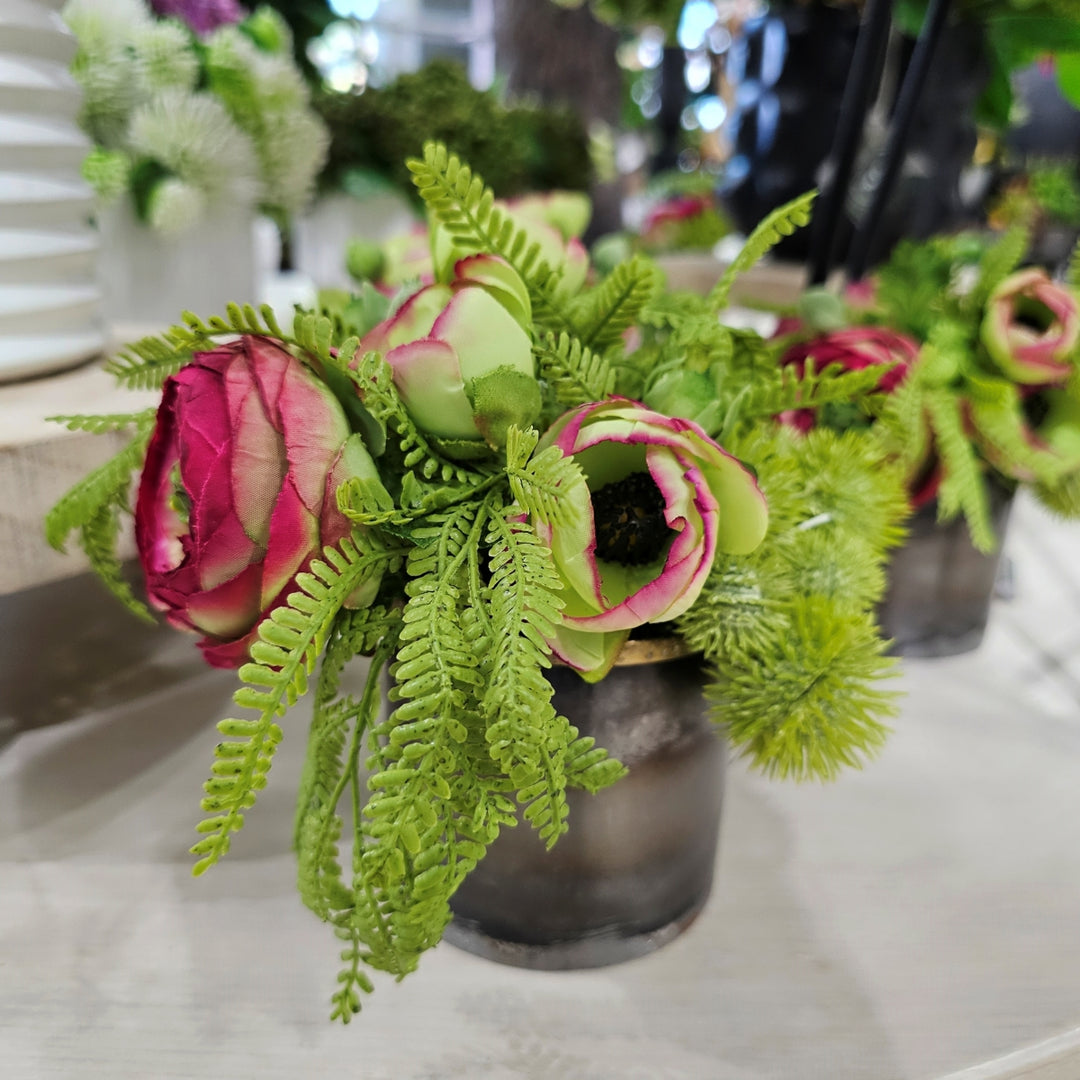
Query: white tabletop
x=918, y=920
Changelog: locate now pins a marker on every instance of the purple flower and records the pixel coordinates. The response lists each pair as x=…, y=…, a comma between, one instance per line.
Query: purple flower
x=203, y=16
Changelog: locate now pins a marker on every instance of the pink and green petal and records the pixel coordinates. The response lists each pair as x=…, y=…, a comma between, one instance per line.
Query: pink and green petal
x=591, y=654
x=500, y=280
x=230, y=609
x=484, y=335
x=429, y=378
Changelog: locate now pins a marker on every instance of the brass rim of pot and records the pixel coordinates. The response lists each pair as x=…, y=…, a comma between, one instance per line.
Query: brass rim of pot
x=651, y=651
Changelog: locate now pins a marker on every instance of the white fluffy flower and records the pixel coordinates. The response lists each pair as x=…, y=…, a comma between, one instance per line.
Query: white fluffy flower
x=164, y=58
x=194, y=138
x=175, y=206
x=296, y=152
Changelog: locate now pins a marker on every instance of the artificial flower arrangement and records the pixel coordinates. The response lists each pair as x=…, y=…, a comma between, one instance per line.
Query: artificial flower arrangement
x=183, y=123
x=983, y=371
x=467, y=483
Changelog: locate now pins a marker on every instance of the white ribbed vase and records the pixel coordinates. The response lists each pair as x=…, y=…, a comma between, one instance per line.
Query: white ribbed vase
x=50, y=302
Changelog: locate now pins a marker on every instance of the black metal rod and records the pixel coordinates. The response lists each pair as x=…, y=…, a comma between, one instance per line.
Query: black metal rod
x=903, y=118
x=859, y=90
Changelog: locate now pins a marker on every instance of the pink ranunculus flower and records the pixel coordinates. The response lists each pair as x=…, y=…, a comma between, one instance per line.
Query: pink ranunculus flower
x=1031, y=328
x=854, y=349
x=660, y=498
x=461, y=356
x=238, y=491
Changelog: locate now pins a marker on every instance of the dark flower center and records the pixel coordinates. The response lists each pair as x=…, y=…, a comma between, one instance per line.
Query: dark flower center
x=1036, y=408
x=1033, y=315
x=629, y=520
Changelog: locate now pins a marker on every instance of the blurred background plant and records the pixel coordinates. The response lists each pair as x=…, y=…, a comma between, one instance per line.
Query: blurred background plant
x=186, y=116
x=517, y=147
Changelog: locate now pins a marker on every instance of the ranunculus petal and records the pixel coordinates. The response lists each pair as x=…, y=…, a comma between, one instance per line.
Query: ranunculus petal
x=428, y=377
x=589, y=653
x=484, y=335
x=412, y=320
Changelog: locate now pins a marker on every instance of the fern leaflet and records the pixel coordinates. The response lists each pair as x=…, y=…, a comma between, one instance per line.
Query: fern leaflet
x=962, y=488
x=606, y=312
x=289, y=641
x=541, y=483
x=106, y=486
x=783, y=221
x=461, y=202
x=526, y=738
x=997, y=263
x=576, y=373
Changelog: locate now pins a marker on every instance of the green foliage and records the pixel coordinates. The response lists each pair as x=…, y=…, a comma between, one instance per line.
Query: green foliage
x=575, y=373
x=998, y=262
x=811, y=704
x=1062, y=498
x=148, y=362
x=962, y=487
x=781, y=222
x=526, y=739
x=94, y=506
x=459, y=200
x=290, y=640
x=605, y=313
x=462, y=595
x=517, y=148
x=540, y=482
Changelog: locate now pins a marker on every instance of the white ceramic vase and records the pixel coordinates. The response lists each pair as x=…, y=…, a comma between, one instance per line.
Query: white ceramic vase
x=150, y=278
x=323, y=232
x=50, y=310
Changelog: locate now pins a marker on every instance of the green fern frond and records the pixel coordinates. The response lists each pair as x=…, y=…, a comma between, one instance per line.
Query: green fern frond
x=146, y=364
x=1062, y=498
x=783, y=221
x=541, y=483
x=98, y=425
x=461, y=202
x=588, y=766
x=576, y=373
x=997, y=263
x=904, y=424
x=809, y=706
x=809, y=389
x=353, y=633
x=98, y=538
x=606, y=312
x=106, y=486
x=998, y=420
x=525, y=737
x=239, y=319
x=289, y=642
x=436, y=673
x=963, y=487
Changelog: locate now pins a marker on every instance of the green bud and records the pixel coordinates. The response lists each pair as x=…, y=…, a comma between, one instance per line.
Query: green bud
x=503, y=397
x=822, y=311
x=364, y=260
